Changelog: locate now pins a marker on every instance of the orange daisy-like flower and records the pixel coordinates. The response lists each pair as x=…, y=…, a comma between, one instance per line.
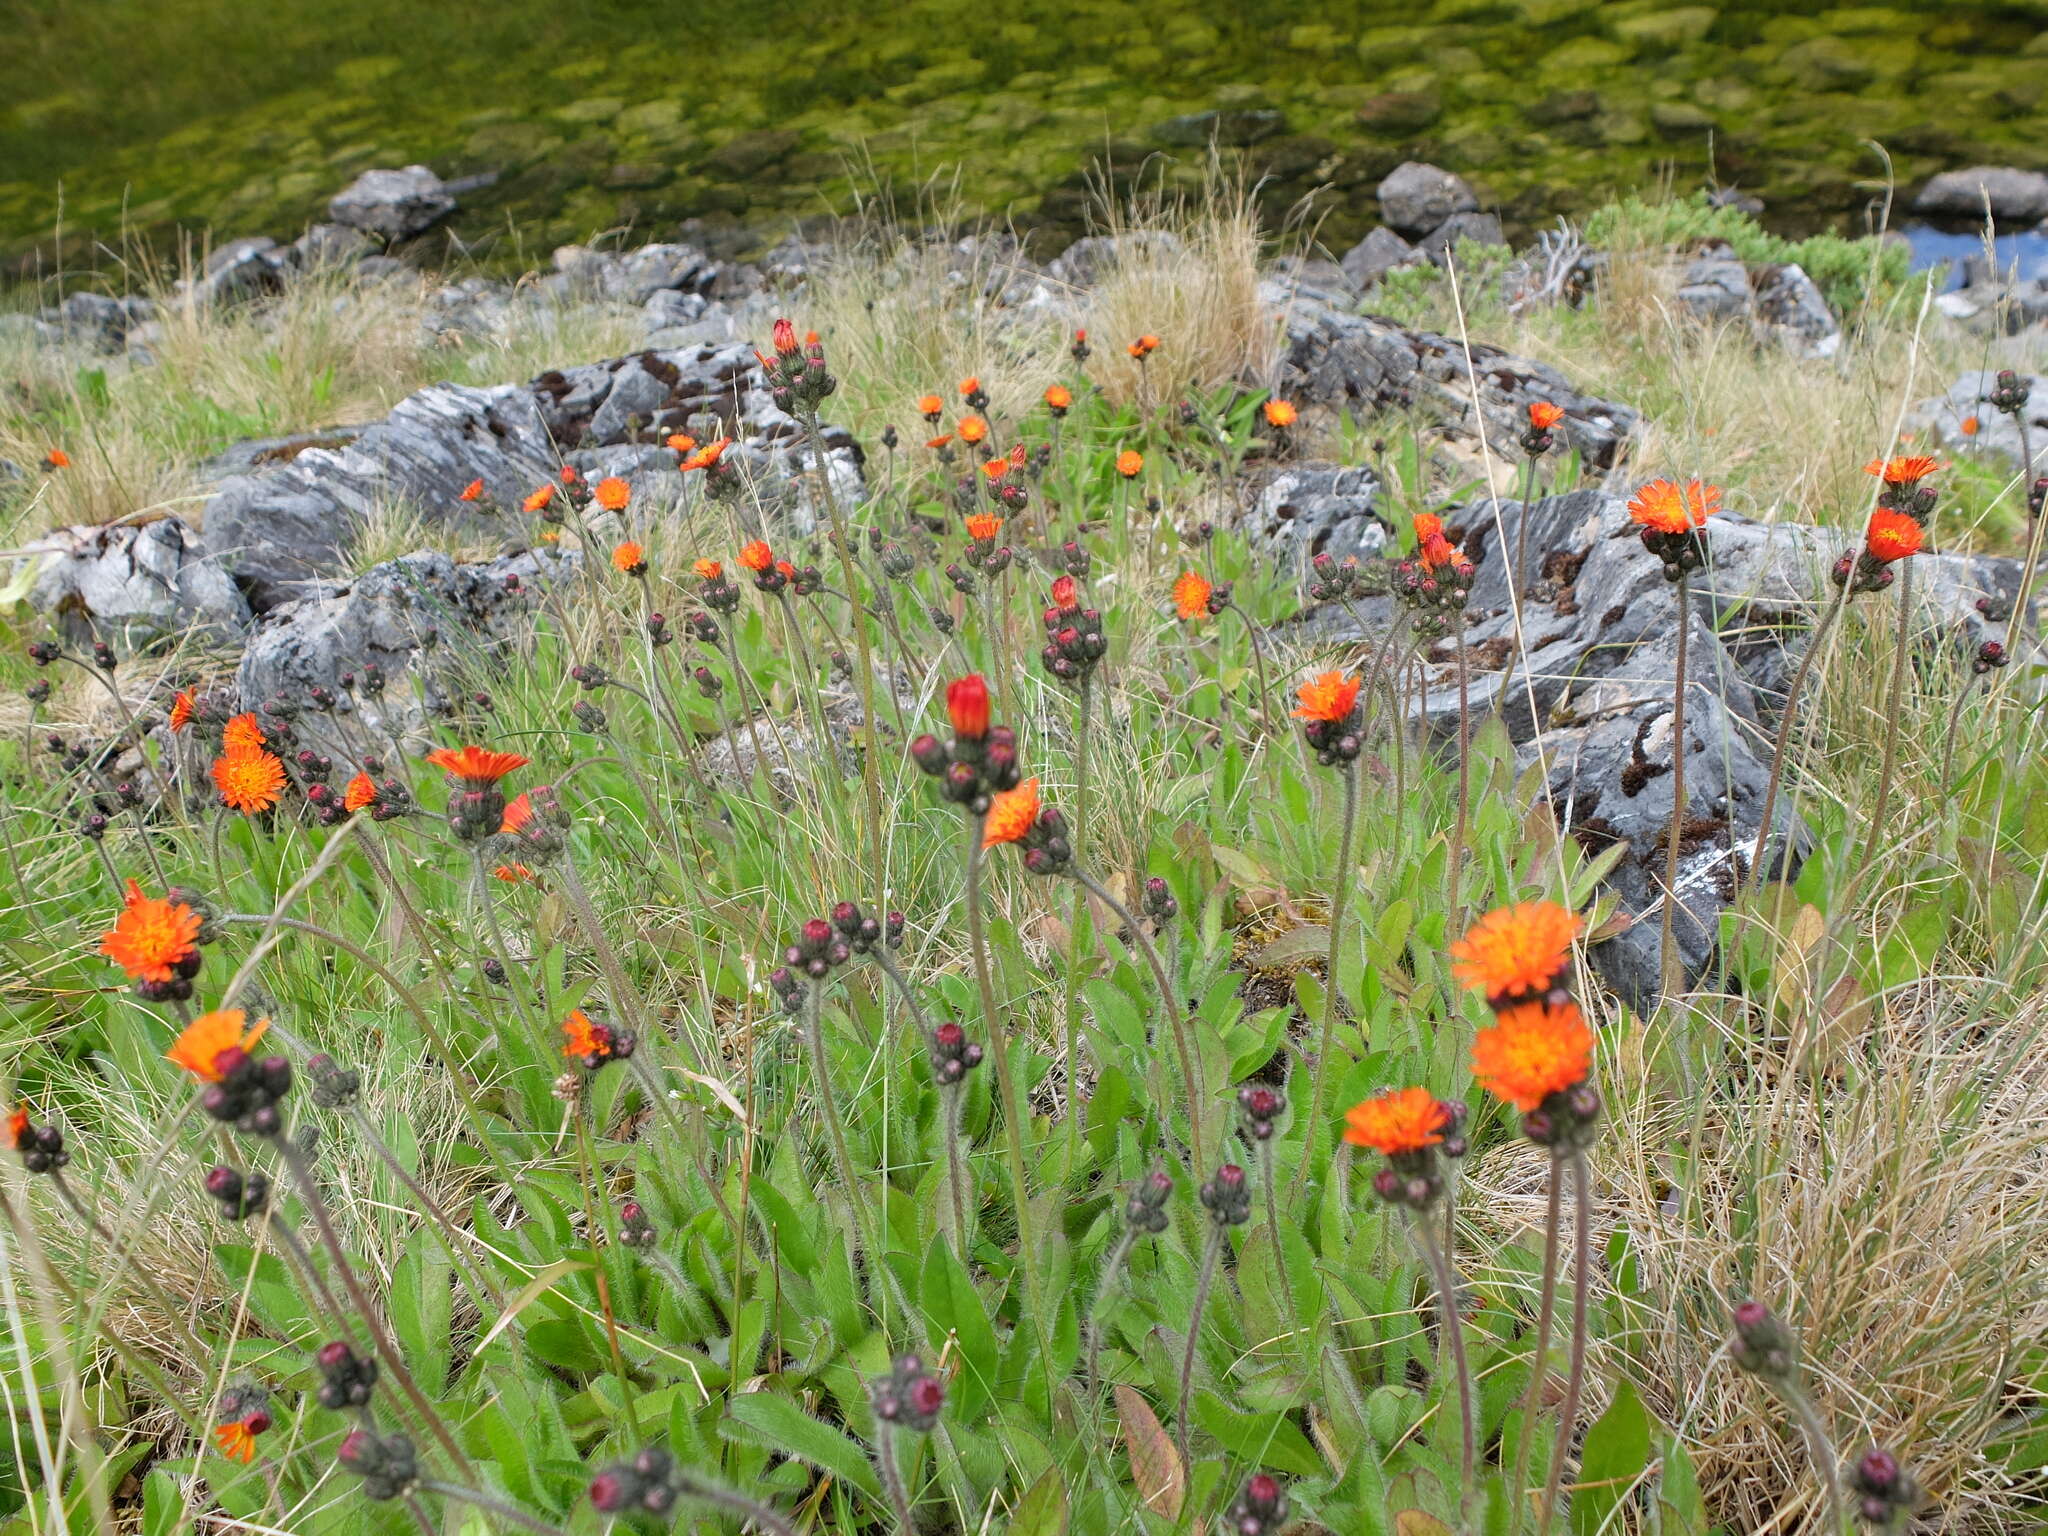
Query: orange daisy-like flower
x=940, y=441
x=930, y=407
x=518, y=813
x=1671, y=508
x=583, y=1036
x=539, y=499
x=680, y=443
x=1397, y=1121
x=612, y=493
x=569, y=475
x=512, y=874
x=710, y=570
x=629, y=559
x=1436, y=551
x=1130, y=463
x=1059, y=397
x=1532, y=1051
x=242, y=733
x=995, y=469
x=982, y=527
x=551, y=536
x=361, y=791
x=1971, y=426
x=17, y=1127
x=1428, y=526
x=1191, y=595
x=1011, y=814
x=199, y=1047
x=1543, y=415
x=1892, y=535
x=972, y=429
x=1281, y=414
x=56, y=458
x=707, y=455
x=1330, y=697
x=249, y=779
x=477, y=767
x=236, y=1439
x=1144, y=347
x=757, y=556
x=1910, y=470
x=969, y=386
x=181, y=709
x=1514, y=951
x=474, y=491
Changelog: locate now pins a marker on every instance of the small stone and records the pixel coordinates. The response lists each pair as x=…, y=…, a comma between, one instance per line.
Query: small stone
x=1417, y=198
x=393, y=204
x=1376, y=255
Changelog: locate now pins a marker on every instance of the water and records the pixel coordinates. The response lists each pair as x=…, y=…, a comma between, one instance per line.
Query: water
x=162, y=116
x=1934, y=249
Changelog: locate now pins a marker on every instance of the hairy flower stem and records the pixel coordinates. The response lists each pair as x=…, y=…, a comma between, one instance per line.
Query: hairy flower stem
x=1452, y=869
x=499, y=1508
x=1190, y=1063
x=694, y=1485
x=1894, y=702
x=1825, y=1462
x=309, y=1191
x=1955, y=723
x=1273, y=1229
x=1445, y=1278
x=1112, y=1267
x=951, y=1106
x=1546, y=1315
x=1326, y=1044
x=1582, y=1284
x=892, y=1478
x=1071, y=1010
x=1212, y=1250
x=835, y=1128
x=1259, y=661
x=1667, y=943
x=1520, y=575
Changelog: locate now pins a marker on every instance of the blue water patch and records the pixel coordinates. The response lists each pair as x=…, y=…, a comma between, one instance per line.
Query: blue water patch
x=1936, y=248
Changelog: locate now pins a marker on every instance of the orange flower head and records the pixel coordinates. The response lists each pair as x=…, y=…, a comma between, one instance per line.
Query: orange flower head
x=1399, y=1121
x=1516, y=951
x=57, y=458
x=198, y=1049
x=1066, y=593
x=236, y=1439
x=1531, y=1051
x=930, y=407
x=242, y=733
x=1191, y=595
x=983, y=527
x=1059, y=398
x=756, y=556
x=629, y=559
x=518, y=813
x=152, y=937
x=1281, y=414
x=784, y=336
x=970, y=387
x=1427, y=526
x=680, y=444
x=940, y=441
x=1971, y=426
x=1910, y=470
x=995, y=469
x=1892, y=536
x=250, y=779
x=538, y=501
x=1543, y=415
x=612, y=493
x=584, y=1037
x=709, y=570
x=1011, y=814
x=477, y=767
x=17, y=1127
x=569, y=475
x=708, y=455
x=967, y=706
x=787, y=570
x=512, y=874
x=972, y=429
x=474, y=491
x=1330, y=697
x=181, y=709
x=1144, y=347
x=361, y=791
x=1130, y=463
x=1436, y=552
x=1671, y=508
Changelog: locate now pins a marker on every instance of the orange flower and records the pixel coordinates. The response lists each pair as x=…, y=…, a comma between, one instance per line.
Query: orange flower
x=681, y=443
x=1971, y=426
x=995, y=469
x=972, y=429
x=983, y=527
x=1397, y=1121
x=569, y=475
x=612, y=493
x=199, y=1047
x=551, y=536
x=1543, y=415
x=539, y=499
x=1436, y=551
x=236, y=1439
x=477, y=767
x=1892, y=536
x=152, y=937
x=1281, y=414
x=518, y=813
x=582, y=1036
x=1059, y=398
x=1330, y=697
x=756, y=555
x=474, y=491
x=512, y=874
x=1670, y=508
x=1191, y=596
x=181, y=709
x=1532, y=1051
x=1011, y=814
x=1129, y=463
x=940, y=441
x=361, y=791
x=710, y=570
x=17, y=1127
x=969, y=386
x=1514, y=951
x=249, y=779
x=967, y=706
x=242, y=733
x=930, y=407
x=1427, y=526
x=56, y=458
x=1144, y=347
x=629, y=559
x=1910, y=470
x=707, y=455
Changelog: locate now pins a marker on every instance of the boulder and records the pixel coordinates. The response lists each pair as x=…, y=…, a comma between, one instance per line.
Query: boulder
x=1794, y=312
x=395, y=205
x=1944, y=417
x=133, y=585
x=331, y=245
x=1376, y=255
x=1716, y=287
x=1295, y=512
x=2013, y=196
x=1417, y=198
x=1479, y=228
x=96, y=320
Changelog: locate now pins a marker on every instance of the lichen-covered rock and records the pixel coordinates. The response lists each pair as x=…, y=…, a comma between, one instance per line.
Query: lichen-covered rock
x=132, y=585
x=1416, y=198
x=1298, y=511
x=393, y=204
x=1379, y=253
x=1478, y=228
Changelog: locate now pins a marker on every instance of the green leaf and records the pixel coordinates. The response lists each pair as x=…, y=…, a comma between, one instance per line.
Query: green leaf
x=1258, y=1439
x=1680, y=1511
x=1617, y=1449
x=773, y=1423
x=1043, y=1509
x=952, y=1307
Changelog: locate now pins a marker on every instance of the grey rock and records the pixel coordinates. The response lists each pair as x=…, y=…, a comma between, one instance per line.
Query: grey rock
x=1089, y=259
x=243, y=269
x=1379, y=253
x=96, y=320
x=331, y=245
x=635, y=276
x=1230, y=127
x=1736, y=198
x=1942, y=416
x=1416, y=198
x=1295, y=512
x=393, y=204
x=1794, y=312
x=1479, y=228
x=1324, y=282
x=134, y=585
x=1716, y=287
x=667, y=308
x=2014, y=196
x=235, y=252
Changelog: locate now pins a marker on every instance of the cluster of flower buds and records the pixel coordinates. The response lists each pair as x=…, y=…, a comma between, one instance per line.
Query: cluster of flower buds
x=1145, y=1206
x=37, y=692
x=719, y=594
x=1763, y=1345
x=332, y=1085
x=44, y=652
x=897, y=562
x=589, y=676
x=1260, y=1510
x=535, y=825
x=1074, y=560
x=1077, y=349
x=708, y=682
x=796, y=376
x=346, y=1378
x=982, y=761
x=103, y=656
x=1074, y=641
x=962, y=579
x=1227, y=1196
x=703, y=628
x=591, y=718
x=239, y=1195
x=1435, y=582
x=1415, y=1178
x=650, y=1482
x=909, y=1397
x=952, y=1055
x=1004, y=479
x=41, y=1146
x=1886, y=1493
x=636, y=1230
x=1989, y=655
x=248, y=1091
x=1566, y=1119
x=658, y=632
x=2009, y=392
x=1259, y=1108
x=1159, y=900
x=369, y=681
x=387, y=1464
